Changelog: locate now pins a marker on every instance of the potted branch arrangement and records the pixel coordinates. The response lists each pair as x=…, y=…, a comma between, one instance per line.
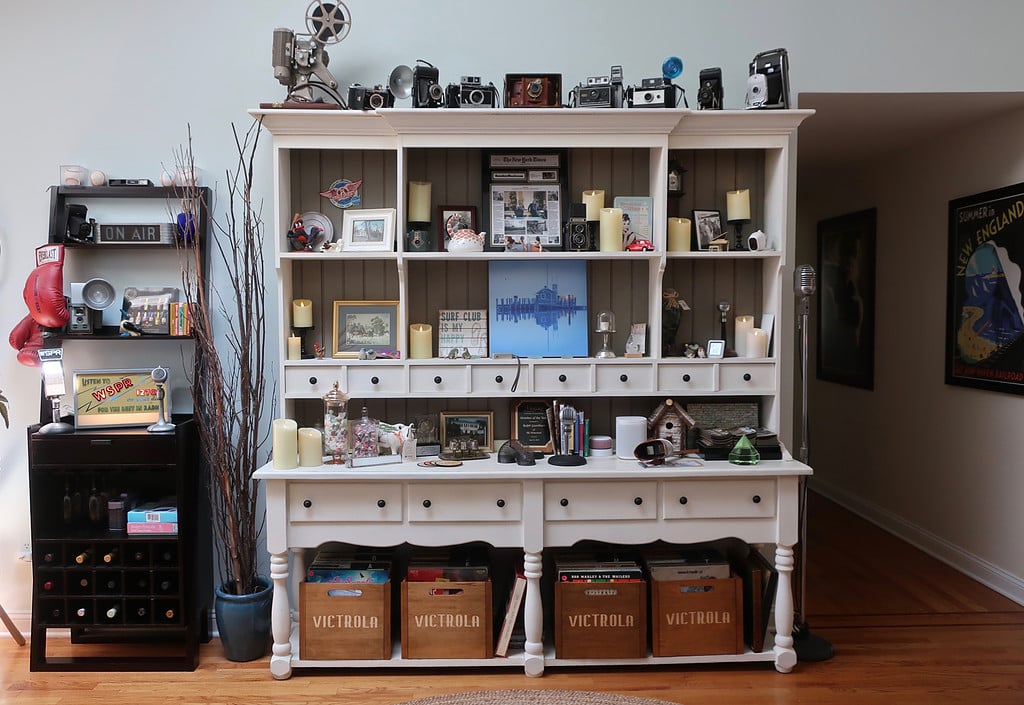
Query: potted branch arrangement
x=229, y=386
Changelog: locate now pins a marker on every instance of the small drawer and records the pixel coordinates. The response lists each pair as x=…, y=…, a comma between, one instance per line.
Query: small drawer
x=375, y=378
x=563, y=379
x=477, y=502
x=686, y=377
x=438, y=379
x=723, y=499
x=576, y=501
x=344, y=502
x=747, y=378
x=497, y=379
x=624, y=379
x=311, y=381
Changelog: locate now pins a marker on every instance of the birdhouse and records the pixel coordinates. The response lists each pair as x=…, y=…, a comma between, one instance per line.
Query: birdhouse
x=671, y=422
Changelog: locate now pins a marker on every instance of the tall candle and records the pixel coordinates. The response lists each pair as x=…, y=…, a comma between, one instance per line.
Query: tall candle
x=757, y=343
x=611, y=230
x=678, y=234
x=594, y=201
x=286, y=444
x=419, y=201
x=737, y=204
x=311, y=448
x=294, y=347
x=743, y=325
x=421, y=342
x=302, y=313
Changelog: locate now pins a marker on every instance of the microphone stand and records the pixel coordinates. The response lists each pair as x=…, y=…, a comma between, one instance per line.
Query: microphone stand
x=808, y=646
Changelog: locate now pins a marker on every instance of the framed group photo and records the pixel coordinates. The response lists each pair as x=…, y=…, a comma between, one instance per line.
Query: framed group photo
x=368, y=230
x=708, y=226
x=364, y=326
x=468, y=426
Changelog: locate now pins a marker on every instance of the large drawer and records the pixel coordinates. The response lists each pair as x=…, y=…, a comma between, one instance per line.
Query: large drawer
x=481, y=501
x=719, y=499
x=686, y=377
x=578, y=501
x=444, y=380
x=624, y=379
x=747, y=378
x=113, y=447
x=339, y=502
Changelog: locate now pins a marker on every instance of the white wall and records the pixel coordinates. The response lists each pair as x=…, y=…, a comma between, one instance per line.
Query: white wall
x=111, y=84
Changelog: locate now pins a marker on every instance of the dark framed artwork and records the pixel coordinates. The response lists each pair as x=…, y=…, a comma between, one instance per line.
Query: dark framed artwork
x=708, y=224
x=465, y=219
x=846, y=299
x=532, y=423
x=985, y=291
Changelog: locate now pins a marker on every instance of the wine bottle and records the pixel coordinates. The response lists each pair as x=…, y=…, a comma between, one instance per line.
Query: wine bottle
x=112, y=612
x=84, y=557
x=169, y=614
x=48, y=585
x=110, y=556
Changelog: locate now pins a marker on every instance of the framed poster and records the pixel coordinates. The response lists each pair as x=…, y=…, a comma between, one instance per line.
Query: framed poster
x=532, y=422
x=846, y=299
x=523, y=197
x=985, y=291
x=115, y=398
x=365, y=326
x=538, y=308
x=637, y=218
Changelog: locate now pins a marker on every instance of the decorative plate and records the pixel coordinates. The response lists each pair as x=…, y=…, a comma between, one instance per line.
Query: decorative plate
x=316, y=219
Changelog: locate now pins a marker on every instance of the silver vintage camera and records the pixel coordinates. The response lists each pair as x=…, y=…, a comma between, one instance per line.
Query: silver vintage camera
x=600, y=91
x=470, y=92
x=653, y=93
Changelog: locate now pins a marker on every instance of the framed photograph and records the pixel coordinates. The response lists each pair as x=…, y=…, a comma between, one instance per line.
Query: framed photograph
x=985, y=313
x=525, y=214
x=532, y=424
x=466, y=218
x=468, y=426
x=846, y=299
x=365, y=325
x=368, y=230
x=106, y=398
x=637, y=218
x=716, y=348
x=538, y=308
x=708, y=226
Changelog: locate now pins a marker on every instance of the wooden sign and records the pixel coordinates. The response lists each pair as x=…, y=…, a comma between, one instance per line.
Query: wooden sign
x=462, y=329
x=115, y=398
x=531, y=424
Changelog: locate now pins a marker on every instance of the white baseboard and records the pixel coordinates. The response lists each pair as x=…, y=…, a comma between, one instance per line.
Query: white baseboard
x=986, y=573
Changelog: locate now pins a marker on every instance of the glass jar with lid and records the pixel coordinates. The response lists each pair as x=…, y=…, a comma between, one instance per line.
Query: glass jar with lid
x=336, y=426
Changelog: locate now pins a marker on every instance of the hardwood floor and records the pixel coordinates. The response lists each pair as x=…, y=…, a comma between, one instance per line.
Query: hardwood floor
x=906, y=629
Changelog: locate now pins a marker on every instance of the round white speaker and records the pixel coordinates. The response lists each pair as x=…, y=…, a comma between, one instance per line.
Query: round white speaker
x=400, y=81
x=98, y=294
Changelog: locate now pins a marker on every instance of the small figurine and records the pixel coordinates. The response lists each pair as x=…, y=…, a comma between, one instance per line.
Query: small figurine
x=463, y=239
x=319, y=351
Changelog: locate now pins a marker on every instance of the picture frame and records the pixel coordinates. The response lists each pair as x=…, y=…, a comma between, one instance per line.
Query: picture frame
x=984, y=313
x=526, y=213
x=715, y=348
x=366, y=326
x=468, y=425
x=707, y=225
x=846, y=299
x=115, y=398
x=467, y=218
x=368, y=230
x=538, y=307
x=532, y=421
x=637, y=218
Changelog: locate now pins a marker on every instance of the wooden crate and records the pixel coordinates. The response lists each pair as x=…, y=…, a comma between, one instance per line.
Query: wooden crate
x=697, y=617
x=345, y=620
x=601, y=620
x=447, y=620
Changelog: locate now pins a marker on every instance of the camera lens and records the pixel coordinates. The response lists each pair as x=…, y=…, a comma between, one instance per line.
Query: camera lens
x=435, y=91
x=376, y=101
x=476, y=97
x=648, y=97
x=534, y=89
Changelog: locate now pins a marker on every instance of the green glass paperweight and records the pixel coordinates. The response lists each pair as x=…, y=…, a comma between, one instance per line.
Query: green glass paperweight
x=744, y=453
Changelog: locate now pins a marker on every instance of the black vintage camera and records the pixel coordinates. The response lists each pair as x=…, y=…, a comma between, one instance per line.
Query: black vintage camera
x=533, y=90
x=709, y=95
x=426, y=91
x=774, y=66
x=78, y=227
x=600, y=91
x=471, y=93
x=363, y=98
x=577, y=233
x=653, y=93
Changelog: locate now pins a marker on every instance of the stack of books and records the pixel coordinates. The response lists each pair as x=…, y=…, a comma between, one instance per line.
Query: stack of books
x=160, y=517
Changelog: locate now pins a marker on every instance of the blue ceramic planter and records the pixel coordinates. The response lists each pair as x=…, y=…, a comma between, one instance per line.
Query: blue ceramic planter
x=243, y=622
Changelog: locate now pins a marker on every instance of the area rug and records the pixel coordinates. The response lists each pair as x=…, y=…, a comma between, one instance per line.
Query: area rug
x=535, y=697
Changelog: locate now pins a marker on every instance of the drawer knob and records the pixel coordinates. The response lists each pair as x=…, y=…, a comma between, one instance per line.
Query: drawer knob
x=561, y=378
x=564, y=502
x=746, y=377
x=500, y=503
x=437, y=379
x=638, y=501
x=426, y=504
x=307, y=503
x=623, y=378
x=686, y=378
x=683, y=500
x=374, y=380
x=312, y=380
x=757, y=499
x=381, y=503
x=499, y=379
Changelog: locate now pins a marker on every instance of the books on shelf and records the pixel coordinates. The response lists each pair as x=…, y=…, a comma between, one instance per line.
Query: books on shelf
x=513, y=609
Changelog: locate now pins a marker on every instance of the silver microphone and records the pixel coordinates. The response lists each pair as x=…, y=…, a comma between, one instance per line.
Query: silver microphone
x=805, y=281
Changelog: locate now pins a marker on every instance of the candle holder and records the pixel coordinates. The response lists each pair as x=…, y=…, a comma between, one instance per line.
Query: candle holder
x=605, y=326
x=301, y=332
x=723, y=309
x=738, y=213
x=739, y=242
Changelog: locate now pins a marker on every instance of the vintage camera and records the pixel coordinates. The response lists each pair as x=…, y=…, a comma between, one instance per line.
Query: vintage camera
x=77, y=226
x=426, y=91
x=577, y=233
x=709, y=95
x=653, y=93
x=471, y=93
x=600, y=91
x=757, y=91
x=533, y=90
x=418, y=241
x=773, y=65
x=363, y=98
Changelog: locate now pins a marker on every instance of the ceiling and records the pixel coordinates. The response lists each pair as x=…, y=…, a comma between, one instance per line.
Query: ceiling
x=854, y=128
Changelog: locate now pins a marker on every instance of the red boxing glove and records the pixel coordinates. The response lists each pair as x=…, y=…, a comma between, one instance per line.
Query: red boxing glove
x=44, y=290
x=27, y=339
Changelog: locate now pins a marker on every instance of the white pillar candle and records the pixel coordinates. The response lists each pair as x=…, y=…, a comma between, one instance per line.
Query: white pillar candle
x=737, y=204
x=302, y=313
x=421, y=341
x=294, y=347
x=757, y=343
x=678, y=234
x=286, y=444
x=611, y=230
x=311, y=448
x=593, y=199
x=743, y=325
x=419, y=201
